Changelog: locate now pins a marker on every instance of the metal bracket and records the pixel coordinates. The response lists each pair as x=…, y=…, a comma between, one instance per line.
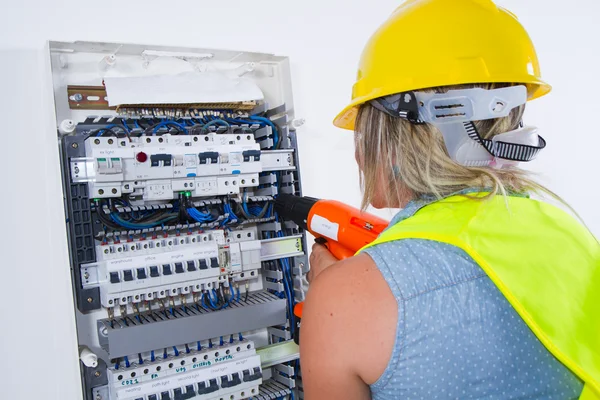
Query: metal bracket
x=284, y=247
x=278, y=353
x=277, y=160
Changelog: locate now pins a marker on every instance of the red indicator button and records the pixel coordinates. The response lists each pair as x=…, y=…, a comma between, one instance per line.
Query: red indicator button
x=141, y=157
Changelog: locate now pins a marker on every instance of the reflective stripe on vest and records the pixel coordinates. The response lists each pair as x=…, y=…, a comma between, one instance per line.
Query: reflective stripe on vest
x=544, y=262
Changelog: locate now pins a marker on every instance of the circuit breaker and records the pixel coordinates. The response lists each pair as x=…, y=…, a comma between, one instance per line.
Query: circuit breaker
x=184, y=276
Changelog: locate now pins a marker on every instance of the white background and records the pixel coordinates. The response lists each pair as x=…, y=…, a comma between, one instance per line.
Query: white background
x=324, y=40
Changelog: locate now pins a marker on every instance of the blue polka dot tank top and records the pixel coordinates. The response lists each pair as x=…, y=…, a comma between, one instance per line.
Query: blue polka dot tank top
x=457, y=336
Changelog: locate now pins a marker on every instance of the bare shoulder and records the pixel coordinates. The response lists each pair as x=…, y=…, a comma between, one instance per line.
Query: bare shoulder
x=349, y=303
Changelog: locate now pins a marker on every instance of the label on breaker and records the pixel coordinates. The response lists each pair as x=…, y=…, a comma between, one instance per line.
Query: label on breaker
x=324, y=227
x=175, y=381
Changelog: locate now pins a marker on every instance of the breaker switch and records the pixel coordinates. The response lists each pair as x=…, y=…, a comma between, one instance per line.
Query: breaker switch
x=165, y=396
x=177, y=394
x=127, y=275
x=153, y=397
x=189, y=392
x=191, y=266
x=253, y=155
x=158, y=160
x=227, y=383
x=154, y=272
x=256, y=375
x=141, y=273
x=212, y=387
x=203, y=264
x=114, y=277
x=167, y=269
x=179, y=268
x=213, y=156
x=214, y=262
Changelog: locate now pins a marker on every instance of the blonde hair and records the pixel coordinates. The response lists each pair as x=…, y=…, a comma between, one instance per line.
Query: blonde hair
x=408, y=157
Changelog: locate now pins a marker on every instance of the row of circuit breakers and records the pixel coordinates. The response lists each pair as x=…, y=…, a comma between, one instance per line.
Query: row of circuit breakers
x=181, y=264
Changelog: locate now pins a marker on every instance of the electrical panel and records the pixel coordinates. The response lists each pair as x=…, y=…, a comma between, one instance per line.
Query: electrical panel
x=184, y=276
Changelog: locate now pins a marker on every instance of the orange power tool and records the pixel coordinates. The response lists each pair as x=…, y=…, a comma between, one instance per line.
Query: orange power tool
x=342, y=229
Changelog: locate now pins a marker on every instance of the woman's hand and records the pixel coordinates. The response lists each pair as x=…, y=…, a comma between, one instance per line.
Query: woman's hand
x=320, y=259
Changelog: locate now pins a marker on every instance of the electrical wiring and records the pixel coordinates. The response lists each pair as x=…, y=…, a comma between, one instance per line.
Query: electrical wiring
x=285, y=268
x=216, y=122
x=107, y=222
x=126, y=224
x=165, y=124
x=273, y=127
x=125, y=125
x=111, y=129
x=210, y=300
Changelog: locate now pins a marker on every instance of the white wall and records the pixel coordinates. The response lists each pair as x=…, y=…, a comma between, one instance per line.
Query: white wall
x=324, y=40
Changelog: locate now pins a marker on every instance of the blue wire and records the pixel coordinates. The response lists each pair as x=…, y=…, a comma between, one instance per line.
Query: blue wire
x=199, y=346
x=239, y=121
x=221, y=342
x=137, y=125
x=271, y=124
x=210, y=300
x=231, y=212
x=126, y=224
x=187, y=349
x=231, y=338
x=210, y=344
x=140, y=358
x=165, y=354
x=240, y=337
x=117, y=365
x=152, y=358
x=126, y=362
x=166, y=123
x=216, y=122
x=199, y=216
x=203, y=302
x=244, y=202
x=125, y=125
x=176, y=351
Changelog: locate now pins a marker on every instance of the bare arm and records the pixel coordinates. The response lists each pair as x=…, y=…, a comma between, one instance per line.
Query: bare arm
x=338, y=322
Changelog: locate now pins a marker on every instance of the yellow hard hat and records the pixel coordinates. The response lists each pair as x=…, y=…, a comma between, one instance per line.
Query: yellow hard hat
x=431, y=43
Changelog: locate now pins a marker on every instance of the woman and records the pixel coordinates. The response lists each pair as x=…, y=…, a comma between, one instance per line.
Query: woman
x=475, y=290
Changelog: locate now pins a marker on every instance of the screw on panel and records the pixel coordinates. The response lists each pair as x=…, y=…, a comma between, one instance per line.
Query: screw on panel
x=76, y=170
x=97, y=141
x=77, y=97
x=74, y=145
x=89, y=300
x=86, y=276
x=97, y=374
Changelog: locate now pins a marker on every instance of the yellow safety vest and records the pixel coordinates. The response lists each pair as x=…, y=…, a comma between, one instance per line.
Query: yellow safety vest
x=544, y=262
